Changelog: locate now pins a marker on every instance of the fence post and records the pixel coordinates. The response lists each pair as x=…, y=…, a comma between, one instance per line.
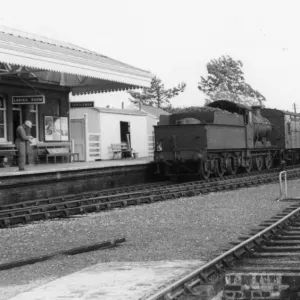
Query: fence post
x=72, y=148
x=283, y=193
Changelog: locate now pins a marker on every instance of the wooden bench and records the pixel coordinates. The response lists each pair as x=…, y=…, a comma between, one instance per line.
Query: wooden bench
x=8, y=153
x=121, y=148
x=62, y=150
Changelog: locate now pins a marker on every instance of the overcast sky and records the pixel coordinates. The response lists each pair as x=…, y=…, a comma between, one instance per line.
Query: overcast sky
x=175, y=39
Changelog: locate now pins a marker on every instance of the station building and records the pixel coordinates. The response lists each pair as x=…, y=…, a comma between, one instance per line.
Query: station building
x=38, y=74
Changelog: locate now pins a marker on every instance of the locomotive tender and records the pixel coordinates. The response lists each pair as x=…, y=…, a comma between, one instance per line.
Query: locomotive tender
x=225, y=137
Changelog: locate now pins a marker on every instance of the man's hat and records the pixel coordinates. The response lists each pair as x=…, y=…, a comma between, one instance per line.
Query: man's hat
x=28, y=124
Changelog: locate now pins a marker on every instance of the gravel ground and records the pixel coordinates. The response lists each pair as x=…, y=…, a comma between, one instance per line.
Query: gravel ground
x=195, y=228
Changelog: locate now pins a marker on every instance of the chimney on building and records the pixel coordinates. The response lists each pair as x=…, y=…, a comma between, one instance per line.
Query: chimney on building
x=122, y=105
x=256, y=110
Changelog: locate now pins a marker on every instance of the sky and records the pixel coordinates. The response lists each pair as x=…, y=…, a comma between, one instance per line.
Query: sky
x=175, y=40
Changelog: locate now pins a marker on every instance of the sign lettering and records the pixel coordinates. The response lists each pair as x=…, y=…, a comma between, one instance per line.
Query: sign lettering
x=82, y=104
x=28, y=99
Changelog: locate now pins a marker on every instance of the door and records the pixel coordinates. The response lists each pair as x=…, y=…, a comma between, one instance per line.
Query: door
x=77, y=133
x=17, y=120
x=125, y=132
x=288, y=132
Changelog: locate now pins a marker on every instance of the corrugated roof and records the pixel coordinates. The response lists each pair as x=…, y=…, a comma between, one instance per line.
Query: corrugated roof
x=83, y=70
x=155, y=111
x=120, y=111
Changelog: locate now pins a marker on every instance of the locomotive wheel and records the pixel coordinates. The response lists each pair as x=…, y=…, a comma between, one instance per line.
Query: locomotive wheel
x=259, y=162
x=219, y=170
x=249, y=167
x=292, y=159
x=268, y=162
x=204, y=170
x=232, y=167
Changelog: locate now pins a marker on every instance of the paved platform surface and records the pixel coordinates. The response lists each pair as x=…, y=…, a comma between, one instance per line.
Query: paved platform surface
x=112, y=281
x=46, y=168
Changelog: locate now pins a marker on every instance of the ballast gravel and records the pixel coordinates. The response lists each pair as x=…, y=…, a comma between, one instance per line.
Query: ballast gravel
x=197, y=228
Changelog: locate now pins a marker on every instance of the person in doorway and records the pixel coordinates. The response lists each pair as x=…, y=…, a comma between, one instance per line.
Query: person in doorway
x=21, y=140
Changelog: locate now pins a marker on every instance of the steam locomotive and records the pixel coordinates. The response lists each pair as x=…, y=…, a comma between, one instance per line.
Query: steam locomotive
x=225, y=137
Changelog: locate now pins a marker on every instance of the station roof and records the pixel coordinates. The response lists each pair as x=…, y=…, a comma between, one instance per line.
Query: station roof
x=50, y=61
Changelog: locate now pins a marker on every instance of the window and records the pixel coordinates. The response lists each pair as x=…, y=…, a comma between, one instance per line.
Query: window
x=33, y=117
x=55, y=108
x=248, y=118
x=289, y=128
x=3, y=136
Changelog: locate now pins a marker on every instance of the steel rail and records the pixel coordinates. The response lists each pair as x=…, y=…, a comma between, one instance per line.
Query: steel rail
x=65, y=209
x=158, y=189
x=114, y=191
x=103, y=192
x=176, y=188
x=179, y=284
x=96, y=204
x=126, y=188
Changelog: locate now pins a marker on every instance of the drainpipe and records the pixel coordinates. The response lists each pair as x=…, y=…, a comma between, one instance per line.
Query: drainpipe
x=86, y=133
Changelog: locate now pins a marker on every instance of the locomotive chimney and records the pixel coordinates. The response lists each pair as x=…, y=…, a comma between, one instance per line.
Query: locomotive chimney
x=256, y=110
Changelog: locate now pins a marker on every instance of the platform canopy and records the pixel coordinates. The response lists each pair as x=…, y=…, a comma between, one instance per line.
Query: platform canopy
x=44, y=60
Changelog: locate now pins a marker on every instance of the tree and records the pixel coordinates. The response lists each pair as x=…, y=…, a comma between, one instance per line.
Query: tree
x=225, y=81
x=156, y=94
x=171, y=109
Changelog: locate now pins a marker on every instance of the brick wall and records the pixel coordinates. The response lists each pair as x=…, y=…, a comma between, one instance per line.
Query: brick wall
x=29, y=187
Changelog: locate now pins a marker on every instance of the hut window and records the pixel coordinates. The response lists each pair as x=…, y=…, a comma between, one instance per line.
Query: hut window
x=3, y=136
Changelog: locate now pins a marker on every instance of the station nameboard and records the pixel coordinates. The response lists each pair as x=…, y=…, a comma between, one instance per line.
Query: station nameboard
x=40, y=99
x=82, y=104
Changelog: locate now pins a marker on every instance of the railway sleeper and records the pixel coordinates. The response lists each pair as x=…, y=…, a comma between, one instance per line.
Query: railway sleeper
x=220, y=268
x=283, y=242
x=293, y=229
x=287, y=237
x=276, y=255
x=266, y=262
x=239, y=253
x=267, y=268
x=295, y=249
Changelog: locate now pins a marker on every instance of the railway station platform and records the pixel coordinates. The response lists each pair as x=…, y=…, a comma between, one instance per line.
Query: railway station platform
x=112, y=281
x=51, y=180
x=74, y=166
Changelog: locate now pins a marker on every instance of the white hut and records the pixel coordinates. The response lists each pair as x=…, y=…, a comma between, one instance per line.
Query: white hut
x=95, y=129
x=153, y=114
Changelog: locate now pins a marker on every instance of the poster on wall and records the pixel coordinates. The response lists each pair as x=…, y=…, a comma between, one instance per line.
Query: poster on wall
x=64, y=128
x=56, y=128
x=48, y=128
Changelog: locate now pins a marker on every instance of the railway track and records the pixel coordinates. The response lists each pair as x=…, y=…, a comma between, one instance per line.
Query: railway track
x=59, y=207
x=264, y=265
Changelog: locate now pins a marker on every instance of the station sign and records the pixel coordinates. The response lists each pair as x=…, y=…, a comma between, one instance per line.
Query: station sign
x=37, y=99
x=82, y=104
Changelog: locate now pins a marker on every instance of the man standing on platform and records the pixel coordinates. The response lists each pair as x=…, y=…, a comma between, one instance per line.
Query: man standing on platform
x=21, y=140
